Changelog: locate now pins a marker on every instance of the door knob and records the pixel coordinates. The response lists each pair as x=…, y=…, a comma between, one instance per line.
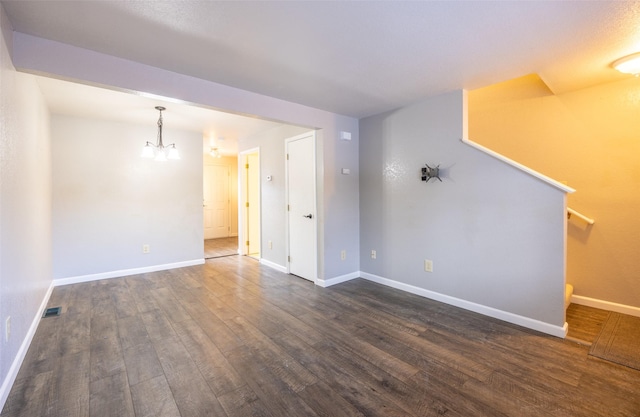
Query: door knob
x=308, y=216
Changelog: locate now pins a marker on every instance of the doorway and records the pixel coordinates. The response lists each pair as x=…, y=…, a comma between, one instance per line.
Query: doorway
x=216, y=201
x=220, y=209
x=249, y=167
x=302, y=223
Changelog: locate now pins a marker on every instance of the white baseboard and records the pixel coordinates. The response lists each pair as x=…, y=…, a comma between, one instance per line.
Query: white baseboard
x=273, y=265
x=125, y=272
x=554, y=330
x=605, y=305
x=22, y=352
x=337, y=280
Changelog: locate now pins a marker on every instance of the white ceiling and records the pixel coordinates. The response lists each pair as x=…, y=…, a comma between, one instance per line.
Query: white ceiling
x=356, y=58
x=219, y=129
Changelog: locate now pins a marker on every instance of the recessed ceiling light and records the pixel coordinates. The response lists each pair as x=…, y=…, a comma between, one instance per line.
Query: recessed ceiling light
x=629, y=64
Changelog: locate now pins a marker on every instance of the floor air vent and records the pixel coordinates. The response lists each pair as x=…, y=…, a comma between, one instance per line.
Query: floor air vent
x=51, y=312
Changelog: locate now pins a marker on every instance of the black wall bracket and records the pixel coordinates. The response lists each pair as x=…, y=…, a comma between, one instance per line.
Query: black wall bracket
x=431, y=172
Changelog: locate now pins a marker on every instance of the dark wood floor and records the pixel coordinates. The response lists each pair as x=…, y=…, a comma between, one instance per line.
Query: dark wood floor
x=234, y=338
x=224, y=246
x=585, y=323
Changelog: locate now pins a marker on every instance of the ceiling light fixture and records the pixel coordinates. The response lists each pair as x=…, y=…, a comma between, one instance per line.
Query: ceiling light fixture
x=215, y=152
x=158, y=151
x=629, y=64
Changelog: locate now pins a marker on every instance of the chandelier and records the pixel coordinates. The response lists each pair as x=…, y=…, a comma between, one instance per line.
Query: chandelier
x=159, y=151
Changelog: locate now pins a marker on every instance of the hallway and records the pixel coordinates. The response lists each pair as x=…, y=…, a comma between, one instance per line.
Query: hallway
x=216, y=248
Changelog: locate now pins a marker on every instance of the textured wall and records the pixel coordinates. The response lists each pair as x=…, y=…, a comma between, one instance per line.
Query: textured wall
x=337, y=197
x=25, y=207
x=590, y=139
x=273, y=203
x=108, y=201
x=494, y=233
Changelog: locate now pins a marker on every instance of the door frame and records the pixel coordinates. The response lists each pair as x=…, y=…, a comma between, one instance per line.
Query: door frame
x=243, y=232
x=313, y=135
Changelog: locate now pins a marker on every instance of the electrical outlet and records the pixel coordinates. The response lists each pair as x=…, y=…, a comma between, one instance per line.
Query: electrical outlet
x=373, y=254
x=7, y=329
x=428, y=265
x=343, y=254
x=146, y=249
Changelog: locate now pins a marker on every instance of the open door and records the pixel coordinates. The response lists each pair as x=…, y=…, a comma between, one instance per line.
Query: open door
x=250, y=203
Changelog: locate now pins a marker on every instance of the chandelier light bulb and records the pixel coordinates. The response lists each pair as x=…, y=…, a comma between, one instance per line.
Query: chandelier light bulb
x=147, y=151
x=173, y=153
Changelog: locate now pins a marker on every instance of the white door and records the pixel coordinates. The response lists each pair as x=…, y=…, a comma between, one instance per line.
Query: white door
x=301, y=200
x=216, y=201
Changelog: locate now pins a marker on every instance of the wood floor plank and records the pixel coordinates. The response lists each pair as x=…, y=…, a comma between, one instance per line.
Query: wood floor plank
x=213, y=365
x=275, y=393
x=79, y=299
x=77, y=333
x=323, y=399
x=29, y=396
x=243, y=402
x=123, y=301
x=192, y=394
x=70, y=391
x=235, y=338
x=224, y=246
x=140, y=291
x=585, y=323
x=141, y=363
x=157, y=325
x=111, y=396
x=106, y=354
x=153, y=398
x=170, y=305
x=210, y=322
x=272, y=356
x=443, y=394
x=43, y=354
x=132, y=331
x=341, y=333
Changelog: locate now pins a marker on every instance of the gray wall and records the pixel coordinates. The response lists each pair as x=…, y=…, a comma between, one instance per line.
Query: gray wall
x=25, y=209
x=496, y=235
x=343, y=154
x=108, y=201
x=337, y=197
x=272, y=198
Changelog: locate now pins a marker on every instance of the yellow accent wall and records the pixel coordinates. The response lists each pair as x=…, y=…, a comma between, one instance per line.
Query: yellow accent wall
x=589, y=139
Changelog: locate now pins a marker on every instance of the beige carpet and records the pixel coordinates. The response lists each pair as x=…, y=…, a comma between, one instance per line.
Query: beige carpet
x=619, y=341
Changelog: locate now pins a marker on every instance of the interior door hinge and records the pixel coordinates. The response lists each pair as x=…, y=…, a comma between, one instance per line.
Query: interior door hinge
x=247, y=243
x=287, y=157
x=246, y=166
x=288, y=258
x=247, y=204
x=288, y=208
